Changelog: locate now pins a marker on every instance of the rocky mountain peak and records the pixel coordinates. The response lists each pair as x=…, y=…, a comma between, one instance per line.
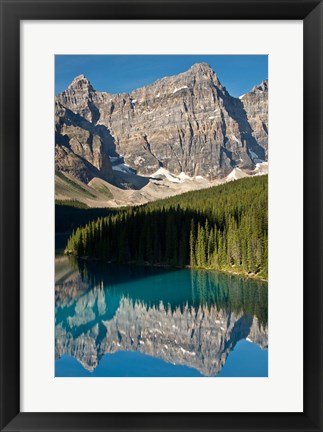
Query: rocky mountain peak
x=261, y=88
x=204, y=71
x=264, y=83
x=203, y=67
x=78, y=97
x=81, y=82
x=185, y=123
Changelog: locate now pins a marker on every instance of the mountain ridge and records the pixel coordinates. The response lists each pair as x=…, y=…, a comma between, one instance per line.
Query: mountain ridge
x=186, y=123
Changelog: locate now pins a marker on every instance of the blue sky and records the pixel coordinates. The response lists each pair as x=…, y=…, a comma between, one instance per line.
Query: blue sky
x=124, y=73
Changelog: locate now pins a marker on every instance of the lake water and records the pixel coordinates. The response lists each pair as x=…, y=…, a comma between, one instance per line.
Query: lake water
x=114, y=321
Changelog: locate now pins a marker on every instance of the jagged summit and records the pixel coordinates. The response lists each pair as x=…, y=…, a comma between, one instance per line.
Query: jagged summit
x=79, y=78
x=197, y=69
x=202, y=68
x=186, y=123
x=262, y=87
x=81, y=82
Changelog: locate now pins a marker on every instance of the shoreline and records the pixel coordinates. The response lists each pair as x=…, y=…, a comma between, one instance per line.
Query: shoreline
x=146, y=264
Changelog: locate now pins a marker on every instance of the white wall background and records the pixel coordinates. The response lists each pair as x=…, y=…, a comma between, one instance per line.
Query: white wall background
x=282, y=390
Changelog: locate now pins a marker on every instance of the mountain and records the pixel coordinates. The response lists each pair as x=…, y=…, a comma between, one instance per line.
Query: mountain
x=188, y=125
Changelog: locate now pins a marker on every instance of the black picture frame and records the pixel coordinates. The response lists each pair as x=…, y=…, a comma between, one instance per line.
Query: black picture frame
x=12, y=12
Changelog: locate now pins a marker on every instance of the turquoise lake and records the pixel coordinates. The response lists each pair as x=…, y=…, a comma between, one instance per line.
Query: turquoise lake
x=131, y=321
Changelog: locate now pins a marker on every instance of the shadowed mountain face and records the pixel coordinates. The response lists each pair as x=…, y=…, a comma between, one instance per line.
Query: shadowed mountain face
x=184, y=317
x=255, y=103
x=185, y=123
x=82, y=148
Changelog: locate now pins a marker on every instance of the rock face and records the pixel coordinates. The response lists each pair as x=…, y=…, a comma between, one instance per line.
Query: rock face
x=255, y=104
x=81, y=148
x=185, y=123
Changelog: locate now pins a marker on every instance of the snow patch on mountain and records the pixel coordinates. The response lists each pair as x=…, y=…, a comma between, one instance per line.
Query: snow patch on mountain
x=184, y=176
x=164, y=172
x=236, y=174
x=180, y=178
x=261, y=168
x=180, y=88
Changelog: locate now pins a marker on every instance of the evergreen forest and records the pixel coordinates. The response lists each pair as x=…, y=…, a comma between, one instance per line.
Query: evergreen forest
x=223, y=228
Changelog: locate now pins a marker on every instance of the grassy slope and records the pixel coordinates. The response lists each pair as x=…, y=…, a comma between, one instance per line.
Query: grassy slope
x=68, y=188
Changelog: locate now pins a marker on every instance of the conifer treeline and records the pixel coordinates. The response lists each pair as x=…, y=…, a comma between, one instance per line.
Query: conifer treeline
x=223, y=227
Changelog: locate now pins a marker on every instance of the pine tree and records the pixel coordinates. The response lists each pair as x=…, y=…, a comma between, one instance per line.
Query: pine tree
x=192, y=245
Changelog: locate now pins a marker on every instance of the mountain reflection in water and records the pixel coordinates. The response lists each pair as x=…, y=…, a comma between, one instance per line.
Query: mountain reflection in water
x=185, y=317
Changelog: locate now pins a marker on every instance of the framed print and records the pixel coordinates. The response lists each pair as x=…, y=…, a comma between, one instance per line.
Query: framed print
x=161, y=215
